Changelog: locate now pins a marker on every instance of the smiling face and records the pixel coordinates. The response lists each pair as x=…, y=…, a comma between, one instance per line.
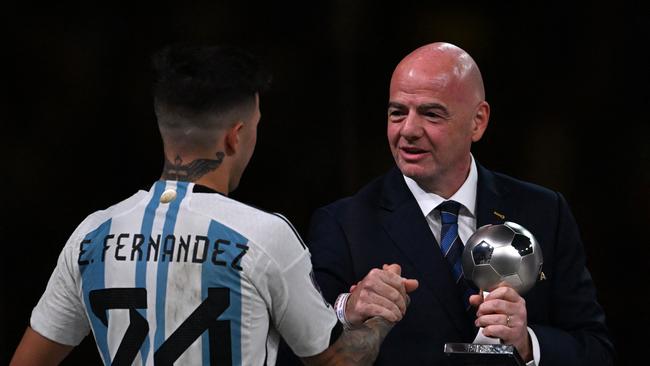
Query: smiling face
x=435, y=111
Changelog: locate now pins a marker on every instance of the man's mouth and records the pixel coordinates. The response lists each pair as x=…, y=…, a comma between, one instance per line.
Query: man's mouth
x=412, y=153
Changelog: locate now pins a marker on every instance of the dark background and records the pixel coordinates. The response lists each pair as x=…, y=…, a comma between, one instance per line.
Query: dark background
x=567, y=86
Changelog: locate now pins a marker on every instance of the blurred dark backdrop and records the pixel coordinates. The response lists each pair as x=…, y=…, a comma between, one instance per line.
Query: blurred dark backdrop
x=567, y=86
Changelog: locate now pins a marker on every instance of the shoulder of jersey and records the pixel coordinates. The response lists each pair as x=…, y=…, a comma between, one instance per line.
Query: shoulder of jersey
x=257, y=224
x=92, y=221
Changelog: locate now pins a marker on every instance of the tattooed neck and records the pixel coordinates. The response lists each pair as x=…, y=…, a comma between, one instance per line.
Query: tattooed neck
x=191, y=171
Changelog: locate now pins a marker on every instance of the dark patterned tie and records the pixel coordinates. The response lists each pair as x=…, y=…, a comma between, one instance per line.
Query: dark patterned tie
x=452, y=246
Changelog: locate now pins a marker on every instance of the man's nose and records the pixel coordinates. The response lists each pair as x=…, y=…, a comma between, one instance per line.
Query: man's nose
x=412, y=127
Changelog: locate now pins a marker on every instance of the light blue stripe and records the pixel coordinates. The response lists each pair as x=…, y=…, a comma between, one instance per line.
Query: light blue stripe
x=92, y=278
x=163, y=266
x=224, y=277
x=141, y=265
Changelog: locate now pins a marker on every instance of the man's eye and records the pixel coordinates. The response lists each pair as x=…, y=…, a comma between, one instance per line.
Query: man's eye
x=395, y=113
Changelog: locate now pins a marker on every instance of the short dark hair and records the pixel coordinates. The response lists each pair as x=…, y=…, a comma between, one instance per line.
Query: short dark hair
x=192, y=81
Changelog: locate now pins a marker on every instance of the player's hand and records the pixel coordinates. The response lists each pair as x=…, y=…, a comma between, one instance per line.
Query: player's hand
x=502, y=314
x=383, y=292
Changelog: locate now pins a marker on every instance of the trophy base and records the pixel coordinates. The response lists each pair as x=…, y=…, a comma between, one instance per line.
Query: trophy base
x=472, y=354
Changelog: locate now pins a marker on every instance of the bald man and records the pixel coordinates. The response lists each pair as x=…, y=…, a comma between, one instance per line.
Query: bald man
x=436, y=110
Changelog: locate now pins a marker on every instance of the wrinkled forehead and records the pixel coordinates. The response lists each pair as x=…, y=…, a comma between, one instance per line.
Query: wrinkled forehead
x=418, y=77
x=413, y=78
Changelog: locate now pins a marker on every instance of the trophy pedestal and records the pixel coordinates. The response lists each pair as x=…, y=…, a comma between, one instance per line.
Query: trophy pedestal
x=472, y=354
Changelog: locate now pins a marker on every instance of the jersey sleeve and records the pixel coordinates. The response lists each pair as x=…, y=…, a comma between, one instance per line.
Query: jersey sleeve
x=298, y=310
x=59, y=314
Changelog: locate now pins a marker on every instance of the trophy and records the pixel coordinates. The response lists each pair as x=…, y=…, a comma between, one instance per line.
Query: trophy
x=493, y=254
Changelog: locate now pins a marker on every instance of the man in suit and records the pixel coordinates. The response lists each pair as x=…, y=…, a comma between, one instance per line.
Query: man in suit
x=436, y=110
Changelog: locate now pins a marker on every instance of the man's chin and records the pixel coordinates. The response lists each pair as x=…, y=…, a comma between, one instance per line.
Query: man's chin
x=414, y=172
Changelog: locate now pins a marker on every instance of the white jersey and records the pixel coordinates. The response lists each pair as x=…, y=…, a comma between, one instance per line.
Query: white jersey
x=179, y=276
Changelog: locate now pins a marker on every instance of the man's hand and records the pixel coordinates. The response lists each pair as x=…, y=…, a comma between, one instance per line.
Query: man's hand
x=373, y=307
x=383, y=292
x=502, y=314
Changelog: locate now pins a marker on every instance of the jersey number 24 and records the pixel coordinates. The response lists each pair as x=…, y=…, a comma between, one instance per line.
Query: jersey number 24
x=203, y=318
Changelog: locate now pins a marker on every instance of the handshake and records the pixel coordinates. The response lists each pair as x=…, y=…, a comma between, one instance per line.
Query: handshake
x=382, y=293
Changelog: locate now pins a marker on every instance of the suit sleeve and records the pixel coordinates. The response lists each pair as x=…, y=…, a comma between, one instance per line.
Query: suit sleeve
x=330, y=255
x=577, y=334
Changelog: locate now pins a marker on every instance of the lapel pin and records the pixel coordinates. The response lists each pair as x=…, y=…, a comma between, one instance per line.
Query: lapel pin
x=542, y=276
x=499, y=215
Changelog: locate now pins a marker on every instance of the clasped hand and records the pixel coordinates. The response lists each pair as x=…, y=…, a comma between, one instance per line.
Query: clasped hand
x=383, y=292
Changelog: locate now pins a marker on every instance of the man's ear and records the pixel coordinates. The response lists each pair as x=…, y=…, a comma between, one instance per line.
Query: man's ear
x=480, y=121
x=232, y=138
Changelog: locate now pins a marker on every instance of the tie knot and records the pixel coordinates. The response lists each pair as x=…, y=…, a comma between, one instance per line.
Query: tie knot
x=449, y=212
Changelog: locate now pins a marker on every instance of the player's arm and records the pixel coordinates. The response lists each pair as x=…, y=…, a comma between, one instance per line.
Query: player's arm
x=58, y=322
x=34, y=349
x=302, y=316
x=378, y=302
x=358, y=346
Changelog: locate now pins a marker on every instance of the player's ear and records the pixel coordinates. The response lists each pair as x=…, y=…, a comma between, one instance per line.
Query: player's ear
x=232, y=138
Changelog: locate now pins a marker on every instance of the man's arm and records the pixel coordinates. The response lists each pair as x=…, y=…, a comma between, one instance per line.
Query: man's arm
x=577, y=334
x=34, y=349
x=381, y=292
x=58, y=321
x=358, y=346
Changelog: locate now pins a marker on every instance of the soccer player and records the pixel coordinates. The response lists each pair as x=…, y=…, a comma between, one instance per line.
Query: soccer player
x=182, y=274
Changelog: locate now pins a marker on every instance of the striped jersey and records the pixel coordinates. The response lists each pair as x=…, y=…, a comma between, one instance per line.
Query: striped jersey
x=180, y=275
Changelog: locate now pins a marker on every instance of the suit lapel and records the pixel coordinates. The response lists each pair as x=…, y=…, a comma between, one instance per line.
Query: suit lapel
x=490, y=207
x=410, y=232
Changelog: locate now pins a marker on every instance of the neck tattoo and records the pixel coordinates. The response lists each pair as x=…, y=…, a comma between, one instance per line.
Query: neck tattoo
x=191, y=171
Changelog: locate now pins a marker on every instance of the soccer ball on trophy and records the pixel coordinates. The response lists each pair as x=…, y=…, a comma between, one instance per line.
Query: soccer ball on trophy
x=506, y=252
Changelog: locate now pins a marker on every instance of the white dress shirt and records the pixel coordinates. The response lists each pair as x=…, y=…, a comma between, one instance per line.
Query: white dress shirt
x=466, y=196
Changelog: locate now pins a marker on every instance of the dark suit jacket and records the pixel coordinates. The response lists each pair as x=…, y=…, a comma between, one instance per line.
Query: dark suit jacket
x=383, y=223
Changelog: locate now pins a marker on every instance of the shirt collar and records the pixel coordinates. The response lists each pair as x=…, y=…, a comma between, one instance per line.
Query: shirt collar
x=193, y=187
x=466, y=194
